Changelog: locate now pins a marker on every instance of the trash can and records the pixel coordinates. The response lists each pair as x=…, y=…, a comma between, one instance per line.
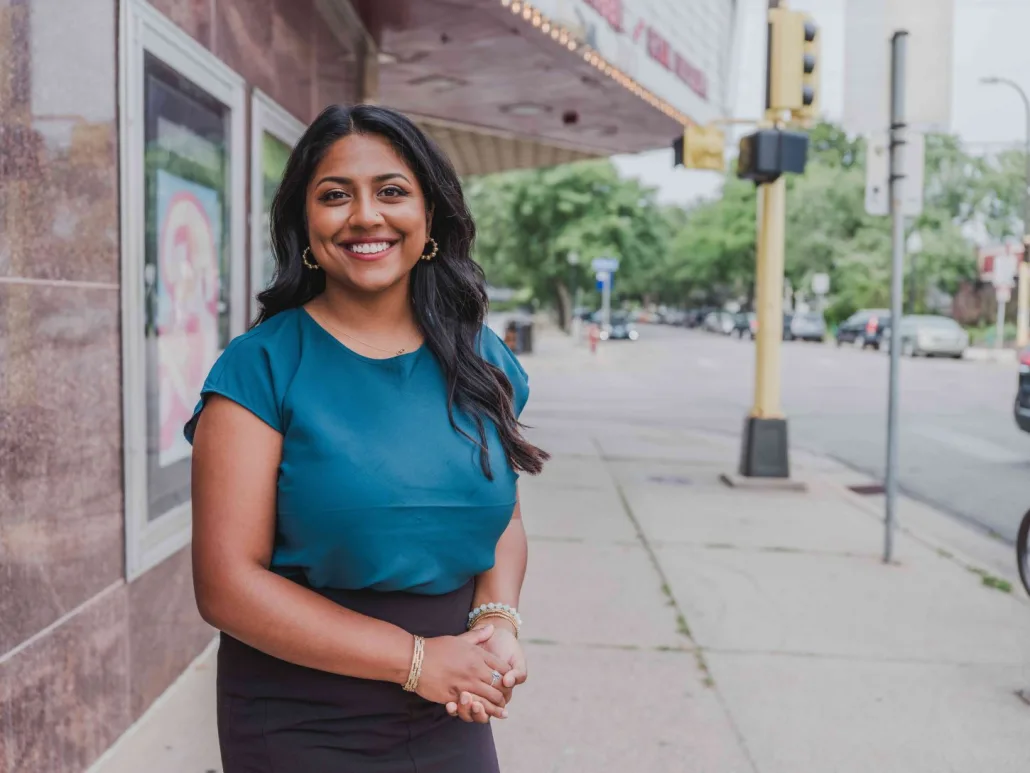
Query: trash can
x=519, y=336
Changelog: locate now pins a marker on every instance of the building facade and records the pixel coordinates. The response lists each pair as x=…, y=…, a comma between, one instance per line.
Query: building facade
x=140, y=144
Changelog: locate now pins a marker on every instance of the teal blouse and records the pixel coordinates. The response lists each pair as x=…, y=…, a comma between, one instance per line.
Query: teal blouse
x=376, y=489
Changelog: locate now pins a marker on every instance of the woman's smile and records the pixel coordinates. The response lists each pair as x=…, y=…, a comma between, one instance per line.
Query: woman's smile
x=368, y=249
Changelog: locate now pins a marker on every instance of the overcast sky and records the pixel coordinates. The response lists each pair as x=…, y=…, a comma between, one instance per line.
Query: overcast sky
x=990, y=39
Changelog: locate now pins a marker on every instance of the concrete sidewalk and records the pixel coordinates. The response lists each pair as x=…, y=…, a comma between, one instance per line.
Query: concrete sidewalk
x=674, y=624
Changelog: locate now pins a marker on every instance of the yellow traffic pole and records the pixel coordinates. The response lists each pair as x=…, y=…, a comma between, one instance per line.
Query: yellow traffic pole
x=1023, y=300
x=769, y=298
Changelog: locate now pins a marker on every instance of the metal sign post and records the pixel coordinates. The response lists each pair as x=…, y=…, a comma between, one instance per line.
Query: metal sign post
x=1003, y=277
x=604, y=268
x=899, y=46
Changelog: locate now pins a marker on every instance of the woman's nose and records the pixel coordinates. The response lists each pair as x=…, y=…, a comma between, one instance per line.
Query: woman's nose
x=365, y=212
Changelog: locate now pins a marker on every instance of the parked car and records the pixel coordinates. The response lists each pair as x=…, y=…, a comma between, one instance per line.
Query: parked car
x=676, y=317
x=621, y=328
x=745, y=324
x=788, y=320
x=1021, y=409
x=864, y=328
x=696, y=317
x=719, y=322
x=751, y=323
x=808, y=326
x=929, y=335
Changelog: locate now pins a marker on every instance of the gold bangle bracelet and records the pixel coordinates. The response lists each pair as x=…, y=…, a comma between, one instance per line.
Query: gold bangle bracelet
x=416, y=665
x=501, y=614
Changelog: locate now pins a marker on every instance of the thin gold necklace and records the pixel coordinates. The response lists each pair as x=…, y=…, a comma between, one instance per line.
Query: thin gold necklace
x=335, y=329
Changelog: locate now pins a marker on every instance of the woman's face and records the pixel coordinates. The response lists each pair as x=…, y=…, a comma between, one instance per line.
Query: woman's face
x=367, y=221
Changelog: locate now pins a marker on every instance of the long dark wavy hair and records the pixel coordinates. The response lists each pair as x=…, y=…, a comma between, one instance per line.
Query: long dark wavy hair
x=448, y=293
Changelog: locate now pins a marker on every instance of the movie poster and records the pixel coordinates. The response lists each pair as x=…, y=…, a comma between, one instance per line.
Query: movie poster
x=189, y=218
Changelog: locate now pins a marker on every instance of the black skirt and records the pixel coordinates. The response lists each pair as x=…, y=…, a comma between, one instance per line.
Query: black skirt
x=276, y=717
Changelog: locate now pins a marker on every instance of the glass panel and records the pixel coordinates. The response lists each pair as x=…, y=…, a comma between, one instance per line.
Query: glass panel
x=186, y=269
x=274, y=154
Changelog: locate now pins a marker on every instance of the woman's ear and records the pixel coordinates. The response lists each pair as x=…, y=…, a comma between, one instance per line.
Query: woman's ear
x=429, y=222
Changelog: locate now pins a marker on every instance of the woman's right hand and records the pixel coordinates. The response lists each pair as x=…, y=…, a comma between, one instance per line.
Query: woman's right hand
x=455, y=668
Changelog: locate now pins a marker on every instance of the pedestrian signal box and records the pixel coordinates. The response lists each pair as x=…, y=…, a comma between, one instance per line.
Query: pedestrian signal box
x=701, y=147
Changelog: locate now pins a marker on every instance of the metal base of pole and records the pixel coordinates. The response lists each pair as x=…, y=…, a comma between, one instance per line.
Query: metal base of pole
x=763, y=452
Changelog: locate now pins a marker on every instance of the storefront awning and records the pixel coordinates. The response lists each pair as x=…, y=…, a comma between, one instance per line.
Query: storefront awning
x=502, y=84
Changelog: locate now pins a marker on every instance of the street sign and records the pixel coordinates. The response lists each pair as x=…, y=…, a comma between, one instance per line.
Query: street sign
x=988, y=260
x=1004, y=274
x=821, y=284
x=877, y=175
x=868, y=27
x=605, y=264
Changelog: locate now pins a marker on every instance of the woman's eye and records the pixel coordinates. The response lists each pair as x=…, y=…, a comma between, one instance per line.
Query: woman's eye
x=391, y=191
x=333, y=195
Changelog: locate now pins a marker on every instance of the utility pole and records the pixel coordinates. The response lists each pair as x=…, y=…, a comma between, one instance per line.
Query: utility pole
x=791, y=86
x=1023, y=292
x=899, y=47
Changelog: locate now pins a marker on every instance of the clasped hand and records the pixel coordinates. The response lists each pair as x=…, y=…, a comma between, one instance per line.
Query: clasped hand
x=458, y=671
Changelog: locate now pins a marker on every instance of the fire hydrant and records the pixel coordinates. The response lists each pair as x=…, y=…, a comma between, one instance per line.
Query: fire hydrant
x=594, y=335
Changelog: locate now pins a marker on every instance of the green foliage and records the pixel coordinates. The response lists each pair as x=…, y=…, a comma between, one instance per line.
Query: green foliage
x=530, y=221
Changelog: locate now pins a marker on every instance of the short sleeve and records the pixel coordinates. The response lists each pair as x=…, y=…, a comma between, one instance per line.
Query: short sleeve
x=496, y=352
x=244, y=375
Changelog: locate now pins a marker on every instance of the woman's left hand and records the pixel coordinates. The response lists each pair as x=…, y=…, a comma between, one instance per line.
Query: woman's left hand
x=505, y=646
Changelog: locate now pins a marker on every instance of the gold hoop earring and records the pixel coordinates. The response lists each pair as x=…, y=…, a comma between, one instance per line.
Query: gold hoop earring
x=309, y=263
x=436, y=249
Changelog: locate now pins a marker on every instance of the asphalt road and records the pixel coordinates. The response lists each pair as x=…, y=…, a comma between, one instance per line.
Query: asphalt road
x=959, y=447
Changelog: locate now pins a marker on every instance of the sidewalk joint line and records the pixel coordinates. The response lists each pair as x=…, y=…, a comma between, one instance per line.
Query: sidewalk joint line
x=849, y=658
x=680, y=618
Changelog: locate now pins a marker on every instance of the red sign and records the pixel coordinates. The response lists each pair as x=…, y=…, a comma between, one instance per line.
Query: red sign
x=611, y=10
x=663, y=53
x=1012, y=254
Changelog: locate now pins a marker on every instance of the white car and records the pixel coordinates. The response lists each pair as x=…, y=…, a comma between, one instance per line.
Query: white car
x=719, y=322
x=928, y=335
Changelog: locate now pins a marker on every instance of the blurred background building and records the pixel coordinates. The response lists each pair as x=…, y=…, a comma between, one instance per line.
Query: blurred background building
x=139, y=147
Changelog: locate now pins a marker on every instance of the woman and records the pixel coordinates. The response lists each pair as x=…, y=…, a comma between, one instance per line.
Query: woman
x=354, y=475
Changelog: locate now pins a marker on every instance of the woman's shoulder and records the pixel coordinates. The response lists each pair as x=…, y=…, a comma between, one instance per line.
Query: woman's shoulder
x=493, y=349
x=273, y=344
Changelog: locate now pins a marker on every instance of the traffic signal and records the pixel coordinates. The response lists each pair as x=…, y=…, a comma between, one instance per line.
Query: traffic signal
x=769, y=153
x=701, y=147
x=810, y=82
x=793, y=63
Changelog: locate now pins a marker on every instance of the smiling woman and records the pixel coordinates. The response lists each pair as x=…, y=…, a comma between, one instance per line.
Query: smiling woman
x=355, y=467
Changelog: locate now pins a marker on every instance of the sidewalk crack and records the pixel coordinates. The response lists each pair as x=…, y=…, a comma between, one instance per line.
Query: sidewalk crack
x=681, y=620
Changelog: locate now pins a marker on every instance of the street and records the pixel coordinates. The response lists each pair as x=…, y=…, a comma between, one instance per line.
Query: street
x=960, y=449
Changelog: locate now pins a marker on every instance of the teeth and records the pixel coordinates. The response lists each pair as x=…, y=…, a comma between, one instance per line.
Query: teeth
x=370, y=248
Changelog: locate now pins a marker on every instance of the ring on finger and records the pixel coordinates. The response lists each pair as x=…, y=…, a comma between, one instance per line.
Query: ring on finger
x=495, y=678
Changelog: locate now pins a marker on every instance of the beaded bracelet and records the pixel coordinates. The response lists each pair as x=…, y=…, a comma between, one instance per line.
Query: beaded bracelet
x=485, y=611
x=416, y=665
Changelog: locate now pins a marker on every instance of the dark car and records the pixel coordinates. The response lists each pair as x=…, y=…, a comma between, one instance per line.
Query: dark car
x=1021, y=409
x=745, y=324
x=621, y=327
x=864, y=328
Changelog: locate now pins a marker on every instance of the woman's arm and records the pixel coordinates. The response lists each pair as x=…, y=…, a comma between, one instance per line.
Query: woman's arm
x=235, y=465
x=503, y=583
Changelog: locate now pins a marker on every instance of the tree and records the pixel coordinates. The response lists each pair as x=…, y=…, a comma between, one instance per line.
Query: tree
x=531, y=221
x=713, y=254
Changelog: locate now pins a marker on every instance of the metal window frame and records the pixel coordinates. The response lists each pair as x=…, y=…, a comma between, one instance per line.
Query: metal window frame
x=266, y=117
x=143, y=29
